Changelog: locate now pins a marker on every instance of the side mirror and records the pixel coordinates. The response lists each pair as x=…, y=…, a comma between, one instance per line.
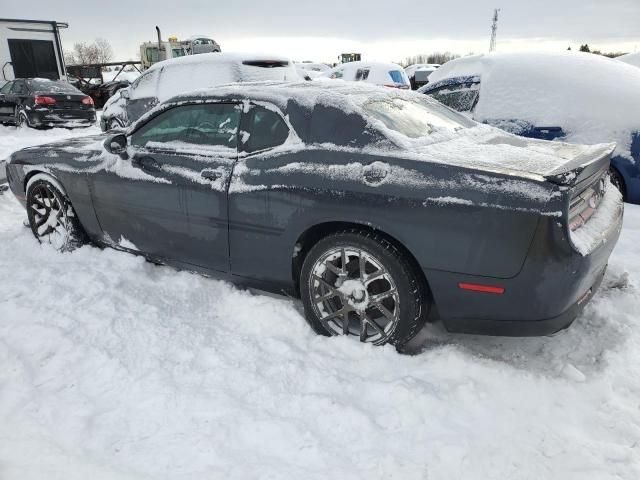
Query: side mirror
x=124, y=93
x=116, y=144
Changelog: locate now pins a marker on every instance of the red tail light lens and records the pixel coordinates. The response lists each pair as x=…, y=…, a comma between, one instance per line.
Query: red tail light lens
x=39, y=100
x=87, y=101
x=475, y=287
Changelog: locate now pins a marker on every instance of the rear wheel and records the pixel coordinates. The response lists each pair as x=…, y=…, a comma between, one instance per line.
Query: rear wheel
x=52, y=218
x=21, y=119
x=618, y=181
x=358, y=283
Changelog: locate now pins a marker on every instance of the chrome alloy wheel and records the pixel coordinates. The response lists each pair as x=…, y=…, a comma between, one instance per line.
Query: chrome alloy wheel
x=354, y=294
x=48, y=218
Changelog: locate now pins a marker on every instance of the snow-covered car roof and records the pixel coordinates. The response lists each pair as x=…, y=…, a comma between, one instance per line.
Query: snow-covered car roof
x=314, y=67
x=171, y=77
x=377, y=73
x=593, y=98
x=411, y=69
x=453, y=139
x=630, y=58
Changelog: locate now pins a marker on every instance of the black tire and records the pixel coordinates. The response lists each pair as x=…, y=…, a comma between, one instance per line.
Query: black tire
x=114, y=125
x=400, y=276
x=21, y=120
x=63, y=231
x=618, y=182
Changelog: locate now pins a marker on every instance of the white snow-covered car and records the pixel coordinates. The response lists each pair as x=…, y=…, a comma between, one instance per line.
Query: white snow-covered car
x=419, y=73
x=569, y=96
x=312, y=70
x=377, y=73
x=169, y=78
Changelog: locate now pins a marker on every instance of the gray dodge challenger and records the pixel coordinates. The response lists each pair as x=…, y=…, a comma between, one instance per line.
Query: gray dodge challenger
x=380, y=209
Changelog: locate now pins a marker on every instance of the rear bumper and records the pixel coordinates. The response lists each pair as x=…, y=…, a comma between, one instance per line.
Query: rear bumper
x=552, y=288
x=62, y=118
x=525, y=328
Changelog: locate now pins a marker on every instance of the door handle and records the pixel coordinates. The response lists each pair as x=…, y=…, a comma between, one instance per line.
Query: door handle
x=210, y=174
x=146, y=163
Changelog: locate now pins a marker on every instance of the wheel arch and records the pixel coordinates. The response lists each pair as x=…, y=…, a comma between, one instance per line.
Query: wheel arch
x=35, y=175
x=313, y=234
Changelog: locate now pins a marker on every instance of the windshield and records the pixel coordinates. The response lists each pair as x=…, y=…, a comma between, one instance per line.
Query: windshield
x=51, y=86
x=414, y=119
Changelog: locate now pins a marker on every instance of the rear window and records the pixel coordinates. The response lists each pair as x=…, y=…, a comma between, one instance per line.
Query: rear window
x=266, y=63
x=52, y=86
x=414, y=119
x=397, y=77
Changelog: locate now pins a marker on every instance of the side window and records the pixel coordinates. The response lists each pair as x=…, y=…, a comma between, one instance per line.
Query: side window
x=145, y=85
x=362, y=74
x=267, y=129
x=462, y=97
x=397, y=77
x=203, y=124
x=338, y=73
x=6, y=88
x=19, y=88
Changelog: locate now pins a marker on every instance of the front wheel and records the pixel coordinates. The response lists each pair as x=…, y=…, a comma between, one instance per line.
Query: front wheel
x=52, y=218
x=358, y=283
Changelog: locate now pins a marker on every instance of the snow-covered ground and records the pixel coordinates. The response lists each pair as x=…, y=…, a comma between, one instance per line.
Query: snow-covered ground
x=114, y=368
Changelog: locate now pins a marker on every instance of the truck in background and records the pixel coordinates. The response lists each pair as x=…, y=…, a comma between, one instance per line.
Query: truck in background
x=154, y=52
x=31, y=48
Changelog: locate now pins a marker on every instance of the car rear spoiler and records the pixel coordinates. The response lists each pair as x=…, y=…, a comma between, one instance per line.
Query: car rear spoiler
x=583, y=166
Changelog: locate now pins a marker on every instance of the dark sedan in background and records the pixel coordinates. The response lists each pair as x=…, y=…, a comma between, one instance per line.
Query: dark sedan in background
x=379, y=208
x=39, y=102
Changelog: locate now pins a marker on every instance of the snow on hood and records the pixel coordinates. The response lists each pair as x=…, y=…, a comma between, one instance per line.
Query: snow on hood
x=594, y=99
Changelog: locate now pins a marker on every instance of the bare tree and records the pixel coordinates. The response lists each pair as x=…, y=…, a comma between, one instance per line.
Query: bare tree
x=435, y=57
x=104, y=52
x=99, y=51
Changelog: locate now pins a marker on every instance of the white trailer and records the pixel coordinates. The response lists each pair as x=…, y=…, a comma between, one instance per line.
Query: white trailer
x=31, y=48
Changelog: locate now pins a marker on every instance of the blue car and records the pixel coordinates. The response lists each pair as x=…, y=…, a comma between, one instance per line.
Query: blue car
x=578, y=98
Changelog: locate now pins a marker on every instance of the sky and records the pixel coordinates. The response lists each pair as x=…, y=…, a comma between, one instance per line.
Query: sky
x=321, y=30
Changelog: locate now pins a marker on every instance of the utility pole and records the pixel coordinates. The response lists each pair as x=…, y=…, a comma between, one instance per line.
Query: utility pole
x=494, y=30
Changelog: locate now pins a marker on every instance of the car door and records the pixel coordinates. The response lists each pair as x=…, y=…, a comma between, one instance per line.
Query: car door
x=255, y=227
x=169, y=198
x=6, y=108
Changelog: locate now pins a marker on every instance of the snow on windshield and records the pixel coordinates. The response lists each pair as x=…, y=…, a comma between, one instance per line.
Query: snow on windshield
x=594, y=99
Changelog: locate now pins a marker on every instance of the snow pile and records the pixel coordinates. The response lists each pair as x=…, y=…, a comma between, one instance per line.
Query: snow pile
x=594, y=99
x=630, y=58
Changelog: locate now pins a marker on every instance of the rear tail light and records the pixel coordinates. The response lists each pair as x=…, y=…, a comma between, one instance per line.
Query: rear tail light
x=87, y=101
x=40, y=100
x=585, y=204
